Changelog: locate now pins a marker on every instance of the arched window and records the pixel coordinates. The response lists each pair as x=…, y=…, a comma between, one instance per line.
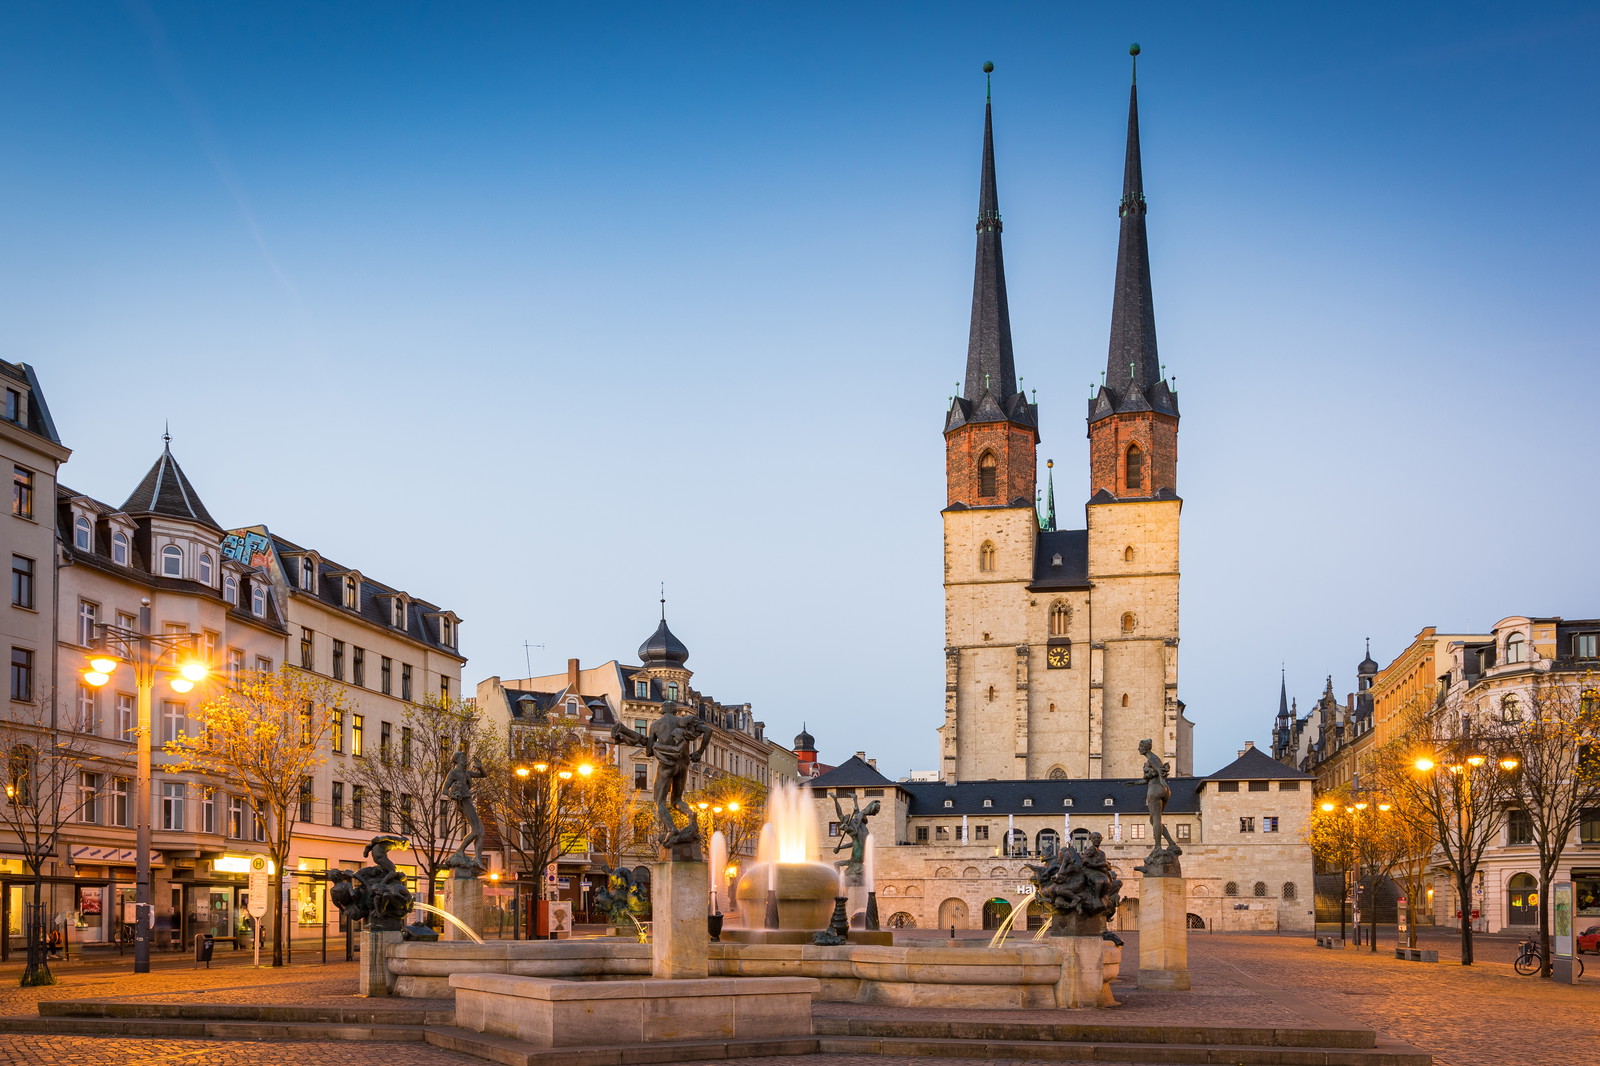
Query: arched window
x=991, y=693
x=1230, y=889
x=1059, y=617
x=987, y=469
x=1016, y=843
x=572, y=708
x=308, y=575
x=1124, y=699
x=82, y=534
x=1048, y=841
x=1509, y=710
x=1080, y=838
x=172, y=561
x=1128, y=622
x=1514, y=648
x=1290, y=891
x=205, y=568
x=119, y=549
x=1261, y=888
x=258, y=599
x=230, y=589
x=1523, y=890
x=1058, y=774
x=351, y=592
x=1127, y=554
x=1135, y=469
x=986, y=557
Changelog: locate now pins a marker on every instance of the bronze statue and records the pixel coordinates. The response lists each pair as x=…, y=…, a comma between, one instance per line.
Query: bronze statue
x=676, y=743
x=458, y=788
x=1079, y=889
x=853, y=833
x=1162, y=860
x=376, y=893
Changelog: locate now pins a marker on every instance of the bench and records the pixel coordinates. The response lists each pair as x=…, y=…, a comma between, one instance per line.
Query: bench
x=1416, y=955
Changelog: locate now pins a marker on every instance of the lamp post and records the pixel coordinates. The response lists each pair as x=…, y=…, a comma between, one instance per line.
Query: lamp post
x=557, y=775
x=144, y=652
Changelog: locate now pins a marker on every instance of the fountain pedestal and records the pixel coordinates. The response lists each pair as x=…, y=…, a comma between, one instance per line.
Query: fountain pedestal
x=463, y=897
x=679, y=941
x=374, y=978
x=1163, y=933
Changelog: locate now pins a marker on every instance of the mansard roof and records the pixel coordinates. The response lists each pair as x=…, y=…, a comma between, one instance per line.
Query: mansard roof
x=1088, y=796
x=1072, y=545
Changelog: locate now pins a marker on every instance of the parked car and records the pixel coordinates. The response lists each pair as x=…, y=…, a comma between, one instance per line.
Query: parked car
x=1589, y=940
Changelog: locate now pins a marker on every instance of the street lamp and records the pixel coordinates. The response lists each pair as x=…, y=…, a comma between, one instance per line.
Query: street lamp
x=144, y=652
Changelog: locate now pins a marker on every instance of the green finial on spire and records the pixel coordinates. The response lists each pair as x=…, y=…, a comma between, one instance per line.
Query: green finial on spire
x=988, y=81
x=1133, y=50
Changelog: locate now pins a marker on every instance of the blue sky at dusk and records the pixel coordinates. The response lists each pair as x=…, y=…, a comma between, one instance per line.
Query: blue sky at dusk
x=526, y=308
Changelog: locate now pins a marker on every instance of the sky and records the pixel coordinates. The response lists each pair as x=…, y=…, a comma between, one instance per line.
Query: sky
x=528, y=309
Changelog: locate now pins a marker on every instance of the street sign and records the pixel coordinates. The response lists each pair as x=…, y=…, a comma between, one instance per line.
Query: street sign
x=258, y=887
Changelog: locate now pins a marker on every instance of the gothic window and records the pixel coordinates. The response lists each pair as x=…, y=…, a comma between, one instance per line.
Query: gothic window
x=1135, y=469
x=1127, y=554
x=1124, y=699
x=986, y=557
x=991, y=693
x=1128, y=622
x=987, y=467
x=1058, y=774
x=1059, y=616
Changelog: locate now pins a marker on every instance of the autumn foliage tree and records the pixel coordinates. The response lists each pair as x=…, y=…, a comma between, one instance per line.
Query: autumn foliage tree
x=262, y=737
x=541, y=815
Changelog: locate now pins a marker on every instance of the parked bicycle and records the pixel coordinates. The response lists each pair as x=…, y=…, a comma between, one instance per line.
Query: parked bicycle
x=1530, y=961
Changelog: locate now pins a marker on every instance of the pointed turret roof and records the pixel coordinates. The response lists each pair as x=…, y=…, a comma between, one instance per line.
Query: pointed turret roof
x=989, y=392
x=1134, y=380
x=1283, y=695
x=1047, y=517
x=166, y=490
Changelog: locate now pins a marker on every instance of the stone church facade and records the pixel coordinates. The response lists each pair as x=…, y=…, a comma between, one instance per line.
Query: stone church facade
x=1062, y=650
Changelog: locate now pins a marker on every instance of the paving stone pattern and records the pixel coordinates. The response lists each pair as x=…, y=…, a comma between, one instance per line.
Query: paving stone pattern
x=47, y=1050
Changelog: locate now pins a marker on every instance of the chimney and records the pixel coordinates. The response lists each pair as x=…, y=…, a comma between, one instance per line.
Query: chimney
x=862, y=756
x=1249, y=745
x=572, y=674
x=872, y=763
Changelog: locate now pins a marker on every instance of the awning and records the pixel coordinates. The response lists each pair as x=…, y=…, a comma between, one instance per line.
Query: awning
x=88, y=855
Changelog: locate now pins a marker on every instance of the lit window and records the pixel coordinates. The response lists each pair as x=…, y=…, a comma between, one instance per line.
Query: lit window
x=119, y=548
x=205, y=568
x=351, y=592
x=172, y=561
x=22, y=492
x=1135, y=469
x=987, y=469
x=82, y=534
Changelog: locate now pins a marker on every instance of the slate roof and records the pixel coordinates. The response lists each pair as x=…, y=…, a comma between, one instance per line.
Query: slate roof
x=1073, y=547
x=166, y=490
x=526, y=705
x=854, y=772
x=1256, y=765
x=1088, y=796
x=37, y=420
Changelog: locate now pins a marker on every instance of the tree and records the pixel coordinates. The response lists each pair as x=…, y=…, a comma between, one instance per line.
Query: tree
x=263, y=737
x=1456, y=777
x=1554, y=739
x=542, y=815
x=50, y=780
x=1410, y=838
x=623, y=824
x=744, y=808
x=431, y=732
x=1331, y=835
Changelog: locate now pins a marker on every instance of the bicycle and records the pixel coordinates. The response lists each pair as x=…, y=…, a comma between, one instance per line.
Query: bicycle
x=1529, y=961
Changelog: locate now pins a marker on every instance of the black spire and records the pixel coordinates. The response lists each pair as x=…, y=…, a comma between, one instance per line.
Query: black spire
x=1283, y=696
x=990, y=393
x=165, y=490
x=1134, y=379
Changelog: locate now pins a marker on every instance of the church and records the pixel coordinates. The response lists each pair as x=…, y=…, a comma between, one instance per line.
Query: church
x=1061, y=649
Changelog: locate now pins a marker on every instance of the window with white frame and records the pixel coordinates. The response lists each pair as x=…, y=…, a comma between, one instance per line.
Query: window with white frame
x=174, y=720
x=308, y=574
x=1516, y=648
x=230, y=589
x=236, y=817
x=119, y=548
x=397, y=613
x=127, y=716
x=641, y=690
x=88, y=720
x=205, y=568
x=172, y=561
x=208, y=648
x=235, y=663
x=89, y=798
x=208, y=811
x=88, y=617
x=572, y=708
x=258, y=598
x=172, y=805
x=117, y=802
x=82, y=534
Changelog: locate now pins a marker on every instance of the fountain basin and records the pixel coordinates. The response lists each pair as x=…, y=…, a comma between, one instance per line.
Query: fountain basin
x=805, y=895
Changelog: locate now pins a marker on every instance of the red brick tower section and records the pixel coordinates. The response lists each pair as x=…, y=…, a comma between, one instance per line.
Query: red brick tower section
x=1134, y=455
x=991, y=464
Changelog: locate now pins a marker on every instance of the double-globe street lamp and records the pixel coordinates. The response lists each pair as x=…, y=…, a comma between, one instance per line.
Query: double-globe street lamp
x=149, y=655
x=558, y=776
x=1463, y=765
x=1355, y=811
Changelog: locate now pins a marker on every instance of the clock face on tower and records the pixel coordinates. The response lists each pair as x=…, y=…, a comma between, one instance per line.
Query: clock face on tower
x=1058, y=658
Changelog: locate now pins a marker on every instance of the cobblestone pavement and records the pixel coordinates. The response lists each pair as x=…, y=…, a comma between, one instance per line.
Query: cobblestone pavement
x=42, y=1049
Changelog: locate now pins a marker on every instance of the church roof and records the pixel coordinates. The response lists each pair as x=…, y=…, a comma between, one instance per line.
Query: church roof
x=1071, y=546
x=854, y=772
x=165, y=490
x=661, y=648
x=1088, y=796
x=1257, y=765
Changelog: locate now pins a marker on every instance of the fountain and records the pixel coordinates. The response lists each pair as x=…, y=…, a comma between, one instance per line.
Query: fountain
x=786, y=871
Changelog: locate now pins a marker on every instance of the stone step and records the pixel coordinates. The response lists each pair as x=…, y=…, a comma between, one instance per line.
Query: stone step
x=925, y=1029
x=1385, y=1054
x=510, y=1052
x=245, y=1012
x=199, y=1029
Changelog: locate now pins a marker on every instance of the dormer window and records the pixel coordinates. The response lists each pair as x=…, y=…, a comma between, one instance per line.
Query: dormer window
x=572, y=708
x=949, y=803
x=230, y=589
x=397, y=613
x=1516, y=649
x=352, y=592
x=119, y=548
x=258, y=599
x=447, y=633
x=172, y=561
x=1027, y=801
x=308, y=575
x=205, y=568
x=82, y=534
x=988, y=803
x=1067, y=802
x=1055, y=560
x=1109, y=802
x=641, y=690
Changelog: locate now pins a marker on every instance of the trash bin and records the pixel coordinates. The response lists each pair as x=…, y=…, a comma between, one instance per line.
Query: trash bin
x=204, y=945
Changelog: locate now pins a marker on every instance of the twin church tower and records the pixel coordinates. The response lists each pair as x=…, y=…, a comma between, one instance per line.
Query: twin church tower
x=1061, y=646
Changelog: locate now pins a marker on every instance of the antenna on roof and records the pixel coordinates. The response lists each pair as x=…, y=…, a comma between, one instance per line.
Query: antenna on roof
x=527, y=655
x=663, y=601
x=166, y=431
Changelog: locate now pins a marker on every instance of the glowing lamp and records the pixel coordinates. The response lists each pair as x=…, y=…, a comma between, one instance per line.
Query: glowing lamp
x=1361, y=806
x=182, y=684
x=103, y=665
x=193, y=671
x=523, y=771
x=1476, y=760
x=1328, y=807
x=586, y=769
x=541, y=766
x=733, y=805
x=1424, y=764
x=95, y=678
x=565, y=775
x=703, y=805
x=1384, y=807
x=1509, y=763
